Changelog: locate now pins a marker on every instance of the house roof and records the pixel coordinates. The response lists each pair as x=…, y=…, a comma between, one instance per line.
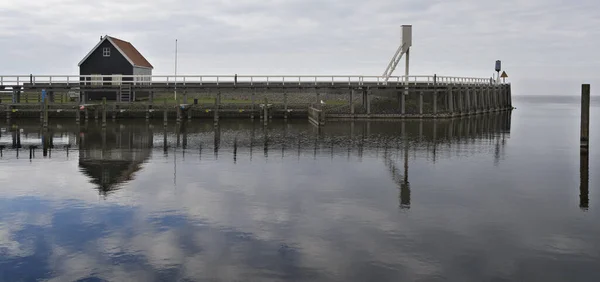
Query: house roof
x=126, y=49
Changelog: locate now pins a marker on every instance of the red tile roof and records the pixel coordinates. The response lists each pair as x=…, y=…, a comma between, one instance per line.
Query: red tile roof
x=133, y=54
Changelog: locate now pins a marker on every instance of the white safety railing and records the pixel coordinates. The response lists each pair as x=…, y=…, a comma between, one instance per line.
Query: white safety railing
x=258, y=80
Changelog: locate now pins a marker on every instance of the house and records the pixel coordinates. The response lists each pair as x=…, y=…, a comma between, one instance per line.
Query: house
x=115, y=57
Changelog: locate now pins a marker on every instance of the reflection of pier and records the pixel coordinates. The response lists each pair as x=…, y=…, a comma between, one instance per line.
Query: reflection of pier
x=112, y=156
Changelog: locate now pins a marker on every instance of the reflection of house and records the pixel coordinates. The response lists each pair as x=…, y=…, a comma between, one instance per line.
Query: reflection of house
x=111, y=158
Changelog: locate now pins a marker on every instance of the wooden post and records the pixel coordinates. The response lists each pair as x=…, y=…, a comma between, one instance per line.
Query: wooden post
x=266, y=111
x=421, y=102
x=461, y=99
x=510, y=96
x=217, y=105
x=185, y=97
x=253, y=104
x=86, y=114
x=468, y=102
x=77, y=114
x=368, y=101
x=450, y=101
x=285, y=105
x=45, y=112
x=475, y=100
x=352, y=102
x=435, y=95
x=103, y=111
x=585, y=116
x=165, y=113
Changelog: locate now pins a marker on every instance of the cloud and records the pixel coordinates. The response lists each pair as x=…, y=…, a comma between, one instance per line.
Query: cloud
x=535, y=39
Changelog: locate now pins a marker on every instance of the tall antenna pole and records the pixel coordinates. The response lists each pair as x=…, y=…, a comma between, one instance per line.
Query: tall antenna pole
x=175, y=70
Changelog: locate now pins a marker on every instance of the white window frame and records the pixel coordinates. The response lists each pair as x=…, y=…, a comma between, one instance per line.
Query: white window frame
x=117, y=79
x=106, y=52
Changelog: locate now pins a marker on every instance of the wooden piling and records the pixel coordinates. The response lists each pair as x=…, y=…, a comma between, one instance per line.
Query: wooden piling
x=368, y=93
x=77, y=114
x=103, y=111
x=165, y=113
x=435, y=94
x=45, y=112
x=468, y=100
x=421, y=103
x=253, y=103
x=450, y=101
x=266, y=111
x=585, y=116
x=352, y=102
x=285, y=105
x=217, y=106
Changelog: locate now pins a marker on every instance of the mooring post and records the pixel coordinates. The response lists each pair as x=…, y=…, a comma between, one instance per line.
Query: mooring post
x=178, y=111
x=368, y=101
x=45, y=112
x=266, y=111
x=165, y=113
x=352, y=102
x=435, y=95
x=421, y=103
x=96, y=113
x=253, y=103
x=86, y=114
x=450, y=100
x=217, y=105
x=103, y=111
x=585, y=116
x=147, y=113
x=510, y=96
x=469, y=105
x=77, y=114
x=285, y=105
x=460, y=99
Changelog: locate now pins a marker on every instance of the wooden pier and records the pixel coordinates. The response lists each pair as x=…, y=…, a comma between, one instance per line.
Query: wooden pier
x=224, y=96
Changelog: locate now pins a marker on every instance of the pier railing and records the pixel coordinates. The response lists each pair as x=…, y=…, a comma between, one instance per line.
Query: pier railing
x=288, y=80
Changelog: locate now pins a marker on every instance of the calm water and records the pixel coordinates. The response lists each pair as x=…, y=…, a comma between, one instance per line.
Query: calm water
x=498, y=198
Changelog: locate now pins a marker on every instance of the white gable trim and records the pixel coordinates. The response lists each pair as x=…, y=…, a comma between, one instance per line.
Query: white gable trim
x=98, y=45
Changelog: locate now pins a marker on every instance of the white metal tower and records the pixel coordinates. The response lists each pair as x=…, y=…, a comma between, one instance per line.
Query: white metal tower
x=403, y=49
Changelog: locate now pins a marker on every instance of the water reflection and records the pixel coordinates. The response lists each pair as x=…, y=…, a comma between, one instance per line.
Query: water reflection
x=584, y=200
x=110, y=157
x=281, y=202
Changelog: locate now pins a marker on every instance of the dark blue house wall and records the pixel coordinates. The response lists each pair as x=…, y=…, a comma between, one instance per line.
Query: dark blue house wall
x=96, y=63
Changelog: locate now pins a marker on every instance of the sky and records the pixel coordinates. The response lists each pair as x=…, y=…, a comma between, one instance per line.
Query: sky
x=546, y=46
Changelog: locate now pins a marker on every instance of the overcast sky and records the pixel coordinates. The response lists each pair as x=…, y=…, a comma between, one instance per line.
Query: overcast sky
x=546, y=46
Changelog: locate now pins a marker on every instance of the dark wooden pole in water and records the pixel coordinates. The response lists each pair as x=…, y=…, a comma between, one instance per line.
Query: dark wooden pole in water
x=585, y=116
x=584, y=199
x=46, y=112
x=435, y=94
x=421, y=102
x=103, y=111
x=352, y=102
x=165, y=113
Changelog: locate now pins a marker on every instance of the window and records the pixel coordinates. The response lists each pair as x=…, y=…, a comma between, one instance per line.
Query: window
x=106, y=51
x=116, y=79
x=96, y=79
